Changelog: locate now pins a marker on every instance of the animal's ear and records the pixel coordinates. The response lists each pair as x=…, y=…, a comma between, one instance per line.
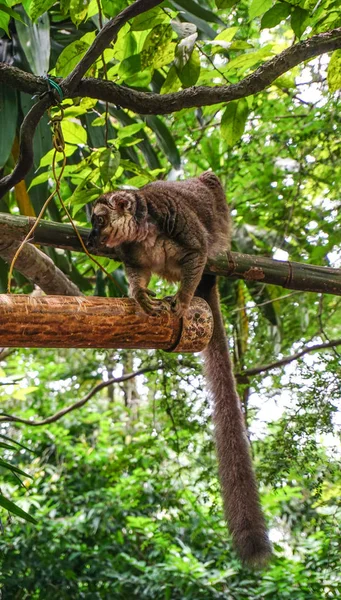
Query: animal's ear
x=140, y=208
x=123, y=203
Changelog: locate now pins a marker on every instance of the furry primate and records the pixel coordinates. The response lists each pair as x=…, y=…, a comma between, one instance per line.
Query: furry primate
x=172, y=228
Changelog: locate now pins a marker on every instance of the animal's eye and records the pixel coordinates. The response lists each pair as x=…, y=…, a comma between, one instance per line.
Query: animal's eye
x=100, y=220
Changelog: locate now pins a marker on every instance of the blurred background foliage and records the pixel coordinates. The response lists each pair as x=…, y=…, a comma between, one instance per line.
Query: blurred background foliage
x=124, y=491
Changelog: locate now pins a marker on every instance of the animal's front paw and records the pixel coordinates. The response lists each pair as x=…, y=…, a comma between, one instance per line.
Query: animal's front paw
x=178, y=306
x=148, y=303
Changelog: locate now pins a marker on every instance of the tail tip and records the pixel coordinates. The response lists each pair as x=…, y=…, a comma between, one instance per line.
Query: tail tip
x=254, y=549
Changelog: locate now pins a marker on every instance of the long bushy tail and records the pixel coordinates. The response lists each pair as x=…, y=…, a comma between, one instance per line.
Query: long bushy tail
x=239, y=487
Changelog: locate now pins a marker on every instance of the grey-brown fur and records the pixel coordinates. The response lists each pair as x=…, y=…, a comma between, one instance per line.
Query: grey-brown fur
x=172, y=228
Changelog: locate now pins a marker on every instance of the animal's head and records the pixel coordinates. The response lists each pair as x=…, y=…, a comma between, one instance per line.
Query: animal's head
x=116, y=217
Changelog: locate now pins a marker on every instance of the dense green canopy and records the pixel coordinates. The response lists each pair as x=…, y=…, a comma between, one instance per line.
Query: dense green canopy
x=120, y=498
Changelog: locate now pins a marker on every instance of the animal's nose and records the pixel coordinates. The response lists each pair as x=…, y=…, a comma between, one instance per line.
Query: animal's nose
x=92, y=240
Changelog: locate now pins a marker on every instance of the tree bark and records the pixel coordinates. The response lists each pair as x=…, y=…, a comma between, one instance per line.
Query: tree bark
x=90, y=322
x=287, y=274
x=39, y=268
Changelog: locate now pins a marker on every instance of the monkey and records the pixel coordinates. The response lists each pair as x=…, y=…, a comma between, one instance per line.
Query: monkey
x=171, y=229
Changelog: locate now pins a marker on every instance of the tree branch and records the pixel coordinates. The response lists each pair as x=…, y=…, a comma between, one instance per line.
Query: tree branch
x=103, y=39
x=287, y=274
x=39, y=268
x=142, y=102
x=285, y=361
x=5, y=418
x=27, y=131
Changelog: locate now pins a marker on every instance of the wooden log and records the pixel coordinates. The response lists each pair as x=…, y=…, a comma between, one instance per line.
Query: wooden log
x=92, y=322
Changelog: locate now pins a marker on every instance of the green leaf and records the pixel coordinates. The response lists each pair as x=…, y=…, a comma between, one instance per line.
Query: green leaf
x=129, y=66
x=233, y=121
x=189, y=75
x=334, y=71
x=11, y=13
x=36, y=8
x=6, y=465
x=165, y=140
x=130, y=130
x=111, y=9
x=6, y=437
x=8, y=121
x=259, y=7
x=225, y=3
x=72, y=54
x=172, y=82
x=35, y=42
x=109, y=161
x=74, y=133
x=299, y=21
x=13, y=508
x=227, y=34
x=4, y=21
x=78, y=10
x=247, y=60
x=200, y=11
x=158, y=49
x=149, y=19
x=275, y=15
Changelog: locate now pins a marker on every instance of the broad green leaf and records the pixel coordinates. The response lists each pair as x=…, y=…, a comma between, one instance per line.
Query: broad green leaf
x=200, y=11
x=189, y=74
x=4, y=21
x=158, y=49
x=13, y=508
x=8, y=121
x=126, y=44
x=42, y=178
x=227, y=34
x=275, y=15
x=334, y=71
x=46, y=161
x=130, y=130
x=299, y=21
x=35, y=42
x=247, y=60
x=109, y=161
x=11, y=13
x=259, y=7
x=74, y=133
x=111, y=9
x=233, y=121
x=225, y=3
x=150, y=19
x=129, y=66
x=145, y=146
x=36, y=8
x=172, y=82
x=78, y=10
x=72, y=54
x=82, y=196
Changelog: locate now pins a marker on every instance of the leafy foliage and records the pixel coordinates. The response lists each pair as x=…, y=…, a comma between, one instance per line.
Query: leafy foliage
x=125, y=492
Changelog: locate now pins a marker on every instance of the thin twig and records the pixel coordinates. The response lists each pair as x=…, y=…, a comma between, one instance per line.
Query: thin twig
x=58, y=415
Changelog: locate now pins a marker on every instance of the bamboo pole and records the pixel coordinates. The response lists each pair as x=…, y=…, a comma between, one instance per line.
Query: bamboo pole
x=92, y=322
